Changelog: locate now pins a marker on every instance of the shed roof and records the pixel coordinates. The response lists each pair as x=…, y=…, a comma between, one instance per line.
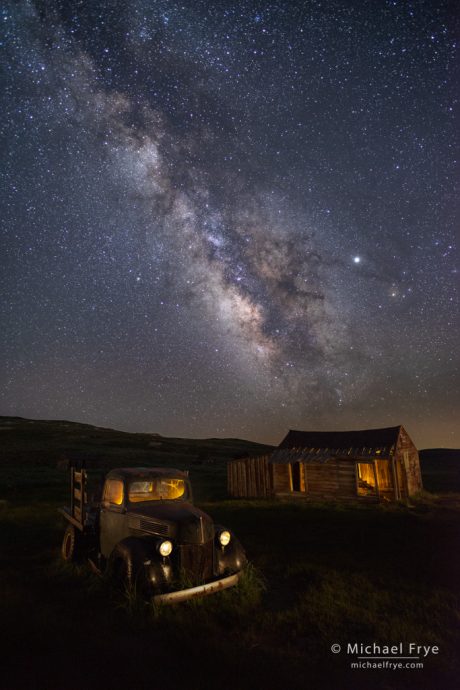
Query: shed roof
x=320, y=446
x=145, y=472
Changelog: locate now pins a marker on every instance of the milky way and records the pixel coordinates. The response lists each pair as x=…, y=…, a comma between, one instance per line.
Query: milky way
x=230, y=219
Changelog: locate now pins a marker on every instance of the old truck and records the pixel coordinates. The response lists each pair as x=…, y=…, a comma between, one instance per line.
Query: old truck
x=144, y=531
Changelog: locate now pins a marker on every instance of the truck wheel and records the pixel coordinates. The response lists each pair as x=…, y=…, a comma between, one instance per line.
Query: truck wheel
x=71, y=545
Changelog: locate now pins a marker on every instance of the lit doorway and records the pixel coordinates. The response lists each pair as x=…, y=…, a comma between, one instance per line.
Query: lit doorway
x=366, y=479
x=297, y=476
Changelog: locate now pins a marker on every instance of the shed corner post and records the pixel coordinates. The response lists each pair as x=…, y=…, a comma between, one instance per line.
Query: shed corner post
x=397, y=491
x=377, y=490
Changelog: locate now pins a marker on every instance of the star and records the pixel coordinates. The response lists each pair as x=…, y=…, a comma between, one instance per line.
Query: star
x=184, y=192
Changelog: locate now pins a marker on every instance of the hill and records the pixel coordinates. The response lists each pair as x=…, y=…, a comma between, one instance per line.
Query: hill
x=52, y=443
x=440, y=454
x=440, y=469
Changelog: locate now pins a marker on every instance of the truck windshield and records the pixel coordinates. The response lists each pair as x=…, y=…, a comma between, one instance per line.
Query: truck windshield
x=164, y=489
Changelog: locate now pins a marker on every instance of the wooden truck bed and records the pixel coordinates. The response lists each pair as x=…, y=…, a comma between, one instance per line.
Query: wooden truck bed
x=77, y=512
x=68, y=516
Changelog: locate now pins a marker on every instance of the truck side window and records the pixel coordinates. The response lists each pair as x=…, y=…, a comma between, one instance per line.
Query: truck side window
x=113, y=492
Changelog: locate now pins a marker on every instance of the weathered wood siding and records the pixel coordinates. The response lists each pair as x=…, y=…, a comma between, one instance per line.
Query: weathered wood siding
x=281, y=478
x=249, y=478
x=384, y=475
x=336, y=479
x=401, y=477
x=408, y=465
x=258, y=478
x=346, y=470
x=322, y=479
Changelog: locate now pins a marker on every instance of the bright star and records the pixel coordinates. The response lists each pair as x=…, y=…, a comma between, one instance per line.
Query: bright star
x=357, y=259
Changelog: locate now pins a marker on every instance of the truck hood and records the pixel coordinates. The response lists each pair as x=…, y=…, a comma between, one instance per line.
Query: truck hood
x=183, y=521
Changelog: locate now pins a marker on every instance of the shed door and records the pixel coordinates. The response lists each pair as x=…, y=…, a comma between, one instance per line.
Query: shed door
x=297, y=471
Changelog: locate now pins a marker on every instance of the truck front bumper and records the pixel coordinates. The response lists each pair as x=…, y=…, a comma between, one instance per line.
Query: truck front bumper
x=199, y=591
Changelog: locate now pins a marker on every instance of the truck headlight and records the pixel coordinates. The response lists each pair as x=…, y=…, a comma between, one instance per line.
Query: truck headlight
x=165, y=548
x=224, y=537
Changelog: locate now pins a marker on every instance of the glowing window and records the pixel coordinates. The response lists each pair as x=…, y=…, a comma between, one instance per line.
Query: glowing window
x=157, y=490
x=113, y=492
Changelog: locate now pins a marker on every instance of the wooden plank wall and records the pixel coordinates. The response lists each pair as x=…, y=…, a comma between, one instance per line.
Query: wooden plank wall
x=346, y=472
x=407, y=455
x=249, y=478
x=335, y=479
x=256, y=478
x=322, y=479
x=282, y=480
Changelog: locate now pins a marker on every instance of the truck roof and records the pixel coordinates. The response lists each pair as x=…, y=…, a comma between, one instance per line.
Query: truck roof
x=147, y=472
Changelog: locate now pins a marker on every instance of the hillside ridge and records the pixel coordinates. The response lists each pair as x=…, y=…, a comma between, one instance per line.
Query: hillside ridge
x=55, y=442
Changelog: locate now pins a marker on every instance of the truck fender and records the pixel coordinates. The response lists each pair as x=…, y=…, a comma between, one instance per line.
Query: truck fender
x=135, y=563
x=126, y=563
x=231, y=558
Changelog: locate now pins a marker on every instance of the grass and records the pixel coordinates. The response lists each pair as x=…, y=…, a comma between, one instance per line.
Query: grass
x=320, y=574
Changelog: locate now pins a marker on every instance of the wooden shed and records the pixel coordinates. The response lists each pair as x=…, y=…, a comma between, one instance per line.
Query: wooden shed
x=373, y=464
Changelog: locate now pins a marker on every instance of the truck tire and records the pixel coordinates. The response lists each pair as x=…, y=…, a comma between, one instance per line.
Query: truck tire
x=126, y=565
x=71, y=549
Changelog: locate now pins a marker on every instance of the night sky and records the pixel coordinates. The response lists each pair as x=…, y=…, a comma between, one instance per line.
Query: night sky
x=230, y=218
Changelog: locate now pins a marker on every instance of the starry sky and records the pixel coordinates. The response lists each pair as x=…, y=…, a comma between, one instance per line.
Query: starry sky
x=231, y=218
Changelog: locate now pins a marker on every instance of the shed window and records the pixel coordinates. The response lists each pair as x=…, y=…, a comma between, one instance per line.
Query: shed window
x=113, y=492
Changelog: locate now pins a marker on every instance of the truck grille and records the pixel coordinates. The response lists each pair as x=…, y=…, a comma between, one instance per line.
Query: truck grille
x=154, y=527
x=197, y=561
x=140, y=524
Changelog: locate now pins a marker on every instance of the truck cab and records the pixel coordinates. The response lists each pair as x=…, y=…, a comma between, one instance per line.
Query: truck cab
x=145, y=531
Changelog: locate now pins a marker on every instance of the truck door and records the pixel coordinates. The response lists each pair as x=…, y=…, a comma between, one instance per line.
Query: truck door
x=113, y=522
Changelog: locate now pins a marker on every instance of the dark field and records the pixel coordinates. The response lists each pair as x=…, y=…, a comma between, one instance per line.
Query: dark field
x=331, y=574
x=321, y=574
